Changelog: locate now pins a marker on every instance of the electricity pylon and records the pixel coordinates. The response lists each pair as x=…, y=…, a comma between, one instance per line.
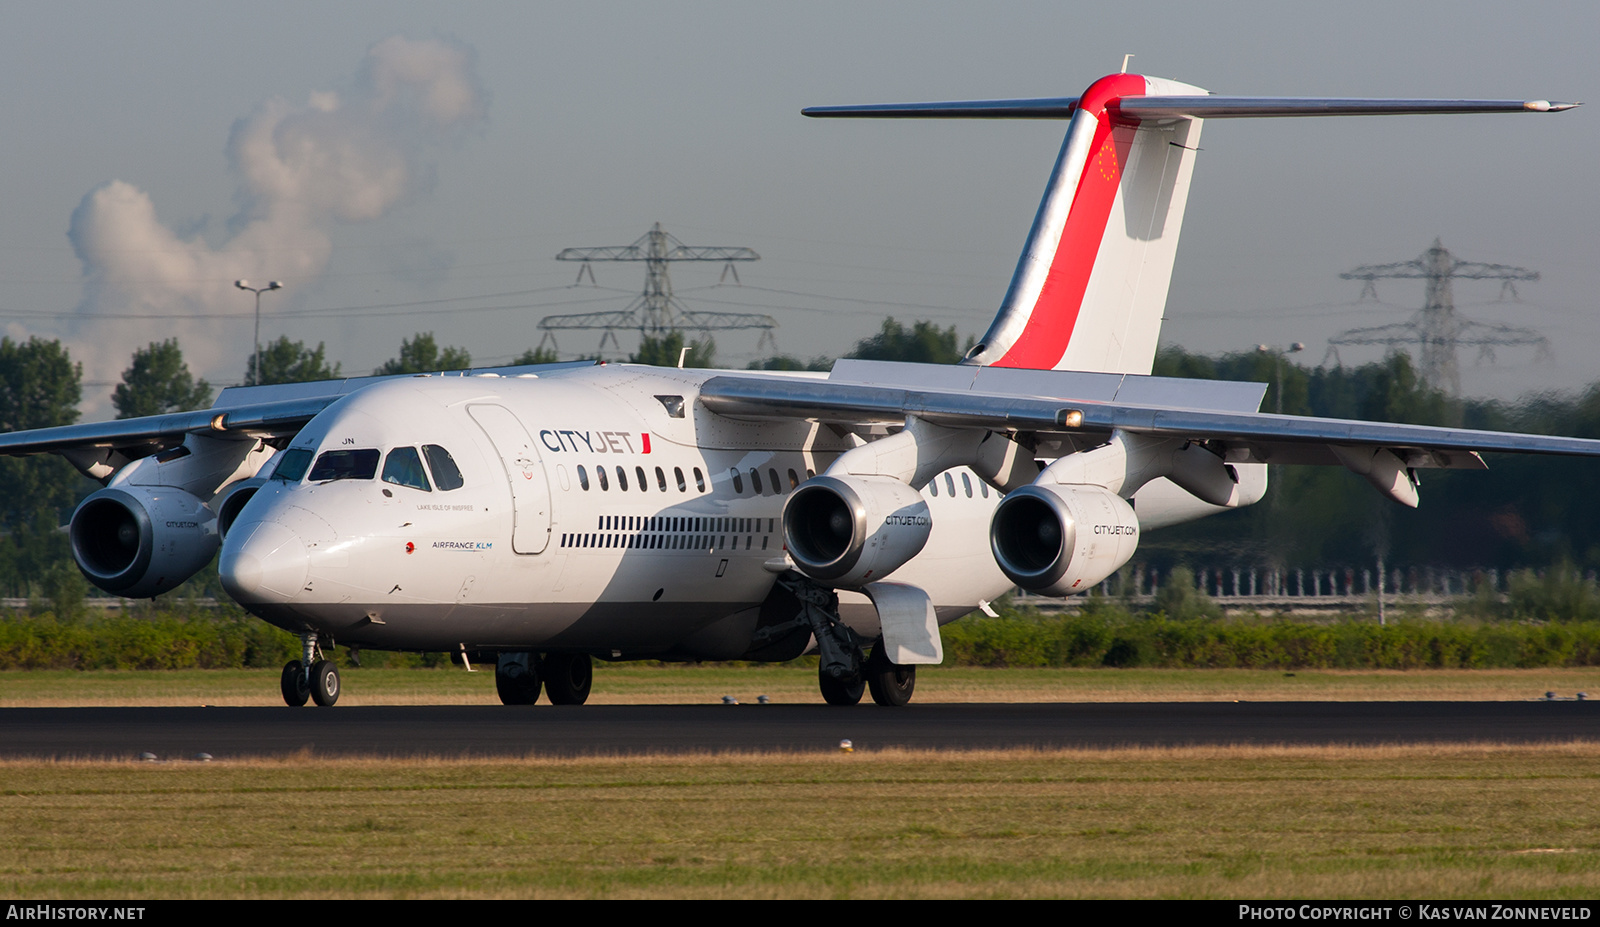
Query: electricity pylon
x=1436, y=326
x=656, y=310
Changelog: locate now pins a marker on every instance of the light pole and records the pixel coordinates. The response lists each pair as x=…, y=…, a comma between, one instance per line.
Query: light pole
x=1276, y=472
x=1277, y=357
x=255, y=363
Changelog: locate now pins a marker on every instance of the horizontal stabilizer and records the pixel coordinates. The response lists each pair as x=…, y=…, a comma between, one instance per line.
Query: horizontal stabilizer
x=1040, y=108
x=1217, y=107
x=1172, y=107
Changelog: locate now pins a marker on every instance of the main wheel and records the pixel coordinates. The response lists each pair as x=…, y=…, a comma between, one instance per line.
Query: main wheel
x=295, y=688
x=840, y=691
x=568, y=677
x=891, y=683
x=517, y=683
x=325, y=683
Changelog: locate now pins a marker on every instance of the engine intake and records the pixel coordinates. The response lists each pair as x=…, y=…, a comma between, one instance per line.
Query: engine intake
x=1058, y=540
x=141, y=541
x=851, y=530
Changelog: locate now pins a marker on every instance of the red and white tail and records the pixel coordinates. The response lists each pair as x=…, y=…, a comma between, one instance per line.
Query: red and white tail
x=1091, y=287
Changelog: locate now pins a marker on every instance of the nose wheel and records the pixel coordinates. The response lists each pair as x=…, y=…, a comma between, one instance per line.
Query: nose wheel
x=296, y=685
x=311, y=678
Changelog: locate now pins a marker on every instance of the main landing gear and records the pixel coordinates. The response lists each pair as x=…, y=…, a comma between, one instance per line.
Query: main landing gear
x=565, y=677
x=844, y=674
x=311, y=677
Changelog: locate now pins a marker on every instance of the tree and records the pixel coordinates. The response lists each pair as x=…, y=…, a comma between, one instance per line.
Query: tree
x=421, y=354
x=537, y=356
x=923, y=343
x=790, y=362
x=285, y=361
x=40, y=387
x=159, y=381
x=664, y=351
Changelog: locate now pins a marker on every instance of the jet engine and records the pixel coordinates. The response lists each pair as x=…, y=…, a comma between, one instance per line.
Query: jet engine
x=847, y=531
x=141, y=541
x=1062, y=539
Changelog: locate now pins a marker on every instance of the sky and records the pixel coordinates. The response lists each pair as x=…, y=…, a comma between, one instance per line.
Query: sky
x=406, y=166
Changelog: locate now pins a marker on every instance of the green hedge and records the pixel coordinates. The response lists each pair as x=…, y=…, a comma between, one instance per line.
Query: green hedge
x=1098, y=639
x=143, y=639
x=1101, y=635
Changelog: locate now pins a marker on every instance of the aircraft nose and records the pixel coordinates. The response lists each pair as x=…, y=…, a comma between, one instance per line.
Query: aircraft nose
x=269, y=565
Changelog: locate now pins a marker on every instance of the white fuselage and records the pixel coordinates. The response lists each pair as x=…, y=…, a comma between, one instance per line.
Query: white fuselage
x=588, y=518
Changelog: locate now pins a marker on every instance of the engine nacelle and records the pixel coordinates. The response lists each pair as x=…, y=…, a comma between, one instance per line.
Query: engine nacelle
x=1058, y=540
x=141, y=541
x=231, y=501
x=851, y=530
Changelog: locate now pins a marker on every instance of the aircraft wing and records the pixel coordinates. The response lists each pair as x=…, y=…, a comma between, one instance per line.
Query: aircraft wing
x=1084, y=409
x=273, y=413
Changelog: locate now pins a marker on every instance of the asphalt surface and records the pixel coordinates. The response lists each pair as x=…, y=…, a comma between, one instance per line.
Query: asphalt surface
x=543, y=730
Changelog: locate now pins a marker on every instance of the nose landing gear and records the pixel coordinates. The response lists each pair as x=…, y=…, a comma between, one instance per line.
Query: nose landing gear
x=311, y=677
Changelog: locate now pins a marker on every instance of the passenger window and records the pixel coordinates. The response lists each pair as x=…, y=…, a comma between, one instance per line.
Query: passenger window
x=933, y=484
x=446, y=475
x=966, y=483
x=661, y=479
x=404, y=468
x=644, y=484
x=682, y=486
x=949, y=485
x=772, y=474
x=583, y=478
x=345, y=465
x=794, y=481
x=292, y=465
x=738, y=481
x=700, y=480
x=622, y=479
x=601, y=472
x=984, y=488
x=755, y=480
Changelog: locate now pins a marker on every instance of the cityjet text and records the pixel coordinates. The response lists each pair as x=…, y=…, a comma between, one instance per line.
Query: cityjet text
x=595, y=442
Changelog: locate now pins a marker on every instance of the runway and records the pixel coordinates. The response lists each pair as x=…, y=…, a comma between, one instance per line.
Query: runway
x=456, y=731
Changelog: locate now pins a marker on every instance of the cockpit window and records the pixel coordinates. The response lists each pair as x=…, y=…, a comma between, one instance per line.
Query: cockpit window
x=445, y=472
x=345, y=465
x=404, y=468
x=292, y=465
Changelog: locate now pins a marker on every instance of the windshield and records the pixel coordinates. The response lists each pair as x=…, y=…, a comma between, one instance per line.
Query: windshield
x=345, y=465
x=404, y=468
x=292, y=465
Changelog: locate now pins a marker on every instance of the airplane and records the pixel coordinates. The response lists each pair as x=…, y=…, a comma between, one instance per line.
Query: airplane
x=546, y=516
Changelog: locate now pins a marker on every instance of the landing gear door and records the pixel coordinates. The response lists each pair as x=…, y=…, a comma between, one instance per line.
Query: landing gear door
x=530, y=489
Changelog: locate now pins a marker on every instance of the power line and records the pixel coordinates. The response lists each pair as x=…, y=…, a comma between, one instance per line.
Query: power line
x=1436, y=327
x=656, y=310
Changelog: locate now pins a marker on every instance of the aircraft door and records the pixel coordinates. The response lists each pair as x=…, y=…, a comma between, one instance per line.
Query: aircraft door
x=530, y=488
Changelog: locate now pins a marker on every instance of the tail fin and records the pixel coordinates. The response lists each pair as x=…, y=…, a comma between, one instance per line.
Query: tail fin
x=1091, y=287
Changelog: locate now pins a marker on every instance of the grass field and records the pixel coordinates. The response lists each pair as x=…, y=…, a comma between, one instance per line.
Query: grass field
x=1456, y=821
x=1426, y=822
x=631, y=683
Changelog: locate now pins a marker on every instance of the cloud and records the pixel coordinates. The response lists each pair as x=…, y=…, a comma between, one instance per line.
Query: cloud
x=300, y=170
